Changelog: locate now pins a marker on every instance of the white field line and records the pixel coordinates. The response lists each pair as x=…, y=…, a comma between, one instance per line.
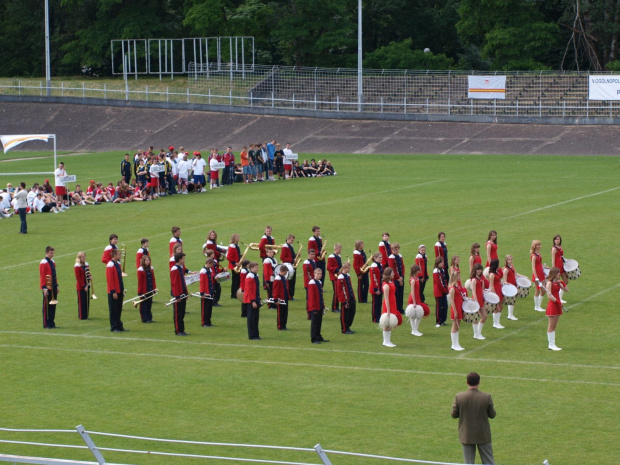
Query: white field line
x=543, y=319
x=255, y=217
x=298, y=364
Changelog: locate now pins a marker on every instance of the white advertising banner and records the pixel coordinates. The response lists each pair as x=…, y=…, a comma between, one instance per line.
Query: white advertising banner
x=487, y=87
x=604, y=87
x=8, y=142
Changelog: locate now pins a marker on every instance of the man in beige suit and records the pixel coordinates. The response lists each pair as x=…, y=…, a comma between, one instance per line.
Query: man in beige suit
x=473, y=408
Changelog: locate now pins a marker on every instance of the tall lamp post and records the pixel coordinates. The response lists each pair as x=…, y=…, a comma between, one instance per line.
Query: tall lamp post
x=48, y=74
x=359, y=56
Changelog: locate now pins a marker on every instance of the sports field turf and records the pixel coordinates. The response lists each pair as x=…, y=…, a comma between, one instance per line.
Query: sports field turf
x=352, y=394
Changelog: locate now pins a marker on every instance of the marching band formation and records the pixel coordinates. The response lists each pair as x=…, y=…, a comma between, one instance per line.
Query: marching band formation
x=381, y=282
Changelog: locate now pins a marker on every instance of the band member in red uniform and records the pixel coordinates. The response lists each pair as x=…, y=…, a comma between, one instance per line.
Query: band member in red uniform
x=557, y=258
x=146, y=288
x=281, y=296
x=269, y=265
x=440, y=291
x=316, y=243
x=359, y=259
x=211, y=244
x=308, y=267
x=478, y=286
x=455, y=265
x=346, y=298
x=265, y=240
x=441, y=249
x=49, y=285
x=316, y=307
x=178, y=248
x=233, y=255
x=389, y=303
x=242, y=275
x=395, y=261
x=175, y=239
x=207, y=290
x=107, y=252
x=422, y=261
x=457, y=294
x=510, y=277
x=375, y=276
x=474, y=256
x=385, y=248
x=415, y=299
x=116, y=291
x=334, y=263
x=538, y=275
x=492, y=247
x=287, y=255
x=179, y=293
x=142, y=251
x=554, y=307
x=82, y=285
x=495, y=285
x=217, y=269
x=251, y=299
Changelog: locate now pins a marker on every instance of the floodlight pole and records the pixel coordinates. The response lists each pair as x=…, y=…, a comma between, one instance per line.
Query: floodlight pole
x=359, y=55
x=48, y=73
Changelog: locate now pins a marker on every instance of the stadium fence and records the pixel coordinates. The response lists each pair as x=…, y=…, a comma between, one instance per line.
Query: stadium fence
x=96, y=451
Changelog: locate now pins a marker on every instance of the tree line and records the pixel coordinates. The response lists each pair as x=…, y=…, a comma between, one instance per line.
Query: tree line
x=459, y=34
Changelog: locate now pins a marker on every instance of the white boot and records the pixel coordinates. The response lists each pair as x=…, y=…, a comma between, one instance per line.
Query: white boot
x=475, y=327
x=538, y=307
x=386, y=339
x=551, y=339
x=480, y=336
x=511, y=313
x=561, y=294
x=415, y=322
x=496, y=323
x=455, y=341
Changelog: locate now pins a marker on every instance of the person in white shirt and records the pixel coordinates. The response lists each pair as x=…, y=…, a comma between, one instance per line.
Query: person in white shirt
x=32, y=194
x=288, y=162
x=60, y=187
x=21, y=206
x=183, y=169
x=198, y=166
x=215, y=175
x=41, y=206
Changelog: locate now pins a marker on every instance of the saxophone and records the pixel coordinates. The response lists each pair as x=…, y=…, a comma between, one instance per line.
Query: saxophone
x=366, y=266
x=237, y=268
x=323, y=250
x=297, y=260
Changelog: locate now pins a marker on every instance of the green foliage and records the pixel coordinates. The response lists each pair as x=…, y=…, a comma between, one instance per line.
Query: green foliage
x=399, y=55
x=613, y=65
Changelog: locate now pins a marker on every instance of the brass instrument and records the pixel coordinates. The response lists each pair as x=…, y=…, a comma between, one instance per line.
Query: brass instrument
x=48, y=286
x=272, y=246
x=323, y=250
x=297, y=260
x=237, y=268
x=197, y=294
x=123, y=258
x=253, y=246
x=366, y=266
x=89, y=280
x=146, y=296
x=181, y=297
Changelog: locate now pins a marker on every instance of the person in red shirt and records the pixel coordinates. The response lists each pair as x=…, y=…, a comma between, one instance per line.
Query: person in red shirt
x=538, y=275
x=233, y=255
x=316, y=307
x=316, y=242
x=142, y=251
x=116, y=291
x=495, y=285
x=395, y=261
x=474, y=256
x=457, y=294
x=554, y=307
x=441, y=249
x=385, y=248
x=389, y=305
x=375, y=287
x=346, y=298
x=415, y=300
x=308, y=267
x=440, y=291
x=422, y=261
x=359, y=259
x=252, y=301
x=82, y=285
x=176, y=238
x=267, y=239
x=478, y=286
x=281, y=296
x=48, y=283
x=492, y=247
x=207, y=291
x=229, y=162
x=269, y=265
x=146, y=288
x=334, y=263
x=179, y=293
x=288, y=255
x=242, y=275
x=557, y=258
x=107, y=252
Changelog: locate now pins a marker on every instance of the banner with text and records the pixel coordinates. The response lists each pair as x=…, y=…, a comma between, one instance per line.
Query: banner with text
x=487, y=87
x=604, y=87
x=8, y=142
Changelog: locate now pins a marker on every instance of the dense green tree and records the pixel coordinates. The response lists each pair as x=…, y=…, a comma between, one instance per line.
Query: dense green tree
x=401, y=55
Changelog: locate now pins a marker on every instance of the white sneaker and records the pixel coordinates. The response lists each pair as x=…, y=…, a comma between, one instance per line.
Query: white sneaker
x=554, y=347
x=203, y=190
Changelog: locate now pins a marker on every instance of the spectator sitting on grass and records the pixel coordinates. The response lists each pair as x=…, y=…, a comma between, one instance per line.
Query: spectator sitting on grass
x=43, y=206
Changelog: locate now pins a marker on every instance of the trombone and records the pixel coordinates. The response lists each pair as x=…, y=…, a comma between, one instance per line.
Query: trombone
x=48, y=286
x=123, y=258
x=89, y=280
x=147, y=296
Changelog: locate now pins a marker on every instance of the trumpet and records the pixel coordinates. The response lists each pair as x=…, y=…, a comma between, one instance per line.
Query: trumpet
x=274, y=301
x=237, y=268
x=323, y=250
x=49, y=287
x=197, y=294
x=297, y=259
x=123, y=258
x=147, y=296
x=89, y=280
x=366, y=266
x=175, y=300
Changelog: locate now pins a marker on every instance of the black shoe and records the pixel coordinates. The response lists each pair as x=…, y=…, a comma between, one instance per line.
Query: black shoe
x=256, y=339
x=291, y=300
x=283, y=329
x=123, y=329
x=206, y=326
x=182, y=333
x=336, y=311
x=217, y=305
x=316, y=342
x=324, y=340
x=117, y=330
x=348, y=331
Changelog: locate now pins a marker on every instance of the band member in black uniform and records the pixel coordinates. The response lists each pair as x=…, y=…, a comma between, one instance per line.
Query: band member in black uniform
x=82, y=285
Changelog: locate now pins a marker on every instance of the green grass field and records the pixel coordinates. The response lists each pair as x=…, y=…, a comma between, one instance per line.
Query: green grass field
x=352, y=394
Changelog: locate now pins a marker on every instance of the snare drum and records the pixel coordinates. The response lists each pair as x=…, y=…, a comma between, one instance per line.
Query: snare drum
x=471, y=312
x=572, y=268
x=523, y=286
x=223, y=276
x=491, y=301
x=510, y=294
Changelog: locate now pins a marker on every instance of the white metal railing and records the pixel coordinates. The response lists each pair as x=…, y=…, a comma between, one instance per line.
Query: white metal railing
x=438, y=105
x=96, y=451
